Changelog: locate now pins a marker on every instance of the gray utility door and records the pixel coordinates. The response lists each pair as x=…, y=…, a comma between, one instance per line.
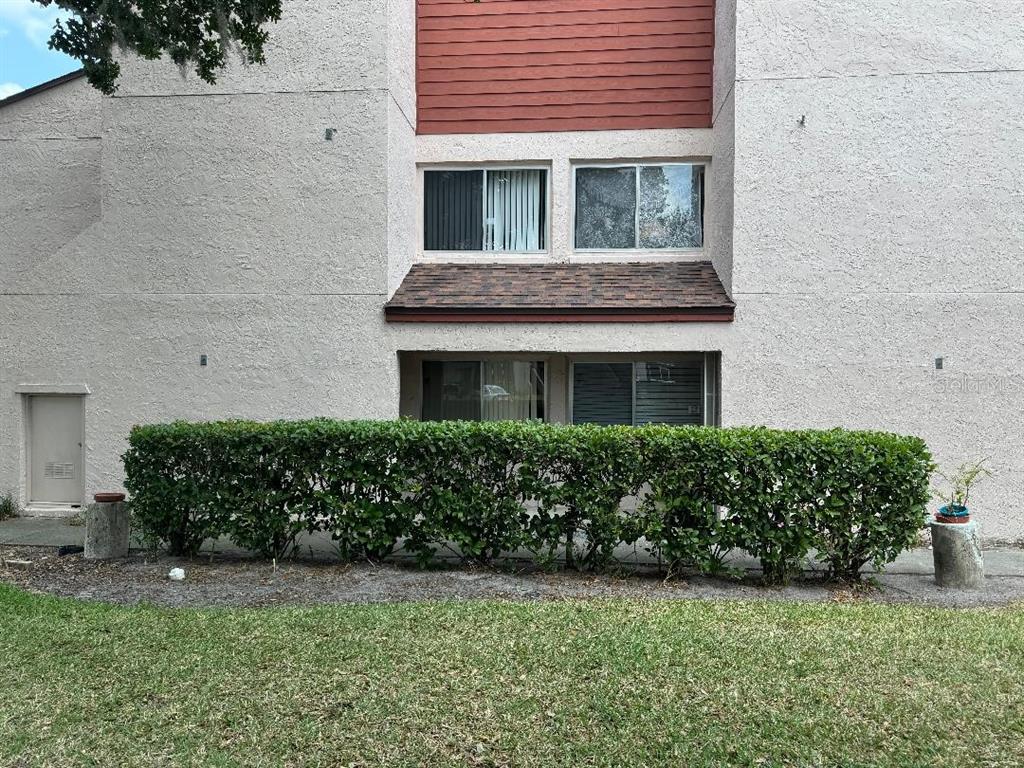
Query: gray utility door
x=55, y=449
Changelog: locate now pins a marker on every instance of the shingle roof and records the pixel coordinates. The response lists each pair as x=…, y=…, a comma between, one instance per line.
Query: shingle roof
x=629, y=292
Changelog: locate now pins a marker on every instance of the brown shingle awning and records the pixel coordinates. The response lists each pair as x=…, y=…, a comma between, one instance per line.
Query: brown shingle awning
x=687, y=291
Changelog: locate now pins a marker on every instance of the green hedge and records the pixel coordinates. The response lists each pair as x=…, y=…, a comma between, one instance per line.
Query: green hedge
x=487, y=489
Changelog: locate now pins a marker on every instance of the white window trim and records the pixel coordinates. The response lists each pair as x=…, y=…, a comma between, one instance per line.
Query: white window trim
x=482, y=254
x=653, y=357
x=637, y=165
x=481, y=359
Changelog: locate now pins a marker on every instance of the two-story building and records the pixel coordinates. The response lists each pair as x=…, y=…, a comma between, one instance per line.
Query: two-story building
x=798, y=214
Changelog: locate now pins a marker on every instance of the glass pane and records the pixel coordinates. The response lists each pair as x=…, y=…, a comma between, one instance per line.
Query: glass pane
x=605, y=207
x=451, y=391
x=669, y=393
x=513, y=390
x=670, y=206
x=510, y=390
x=452, y=210
x=516, y=210
x=602, y=393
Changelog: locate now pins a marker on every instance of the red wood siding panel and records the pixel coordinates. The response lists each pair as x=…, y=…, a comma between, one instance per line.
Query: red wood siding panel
x=498, y=66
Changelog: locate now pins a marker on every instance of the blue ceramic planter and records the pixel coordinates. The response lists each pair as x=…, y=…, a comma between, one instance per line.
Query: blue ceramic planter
x=953, y=513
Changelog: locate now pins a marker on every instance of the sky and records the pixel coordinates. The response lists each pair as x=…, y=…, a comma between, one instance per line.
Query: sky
x=24, y=58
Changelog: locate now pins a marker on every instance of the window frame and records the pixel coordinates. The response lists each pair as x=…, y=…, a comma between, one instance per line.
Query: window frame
x=637, y=165
x=708, y=379
x=481, y=359
x=484, y=167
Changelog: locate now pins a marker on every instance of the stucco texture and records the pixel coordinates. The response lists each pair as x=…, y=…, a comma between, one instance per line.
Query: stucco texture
x=183, y=219
x=864, y=202
x=878, y=197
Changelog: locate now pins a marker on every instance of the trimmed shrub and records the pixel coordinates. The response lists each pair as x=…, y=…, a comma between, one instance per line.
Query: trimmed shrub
x=488, y=489
x=870, y=498
x=169, y=474
x=468, y=483
x=691, y=472
x=582, y=476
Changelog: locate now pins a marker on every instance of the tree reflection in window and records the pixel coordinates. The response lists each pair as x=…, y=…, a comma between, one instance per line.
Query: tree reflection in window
x=670, y=206
x=605, y=208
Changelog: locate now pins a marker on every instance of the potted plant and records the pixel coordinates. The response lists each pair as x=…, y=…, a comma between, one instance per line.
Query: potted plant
x=959, y=484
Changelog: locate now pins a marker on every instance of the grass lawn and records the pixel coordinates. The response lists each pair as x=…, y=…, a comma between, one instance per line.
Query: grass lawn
x=608, y=683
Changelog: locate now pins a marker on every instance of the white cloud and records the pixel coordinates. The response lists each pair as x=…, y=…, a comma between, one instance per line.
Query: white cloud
x=33, y=21
x=9, y=89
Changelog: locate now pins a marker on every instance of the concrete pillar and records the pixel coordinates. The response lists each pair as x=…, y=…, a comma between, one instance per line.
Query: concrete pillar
x=106, y=527
x=956, y=550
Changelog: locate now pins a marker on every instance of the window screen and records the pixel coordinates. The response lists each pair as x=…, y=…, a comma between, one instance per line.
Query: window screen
x=605, y=207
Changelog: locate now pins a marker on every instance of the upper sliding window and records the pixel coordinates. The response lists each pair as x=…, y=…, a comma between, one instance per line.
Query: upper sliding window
x=487, y=209
x=645, y=207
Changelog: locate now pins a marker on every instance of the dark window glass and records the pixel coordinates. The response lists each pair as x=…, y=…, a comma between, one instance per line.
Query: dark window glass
x=492, y=210
x=605, y=208
x=453, y=210
x=668, y=393
x=602, y=393
x=451, y=391
x=488, y=390
x=637, y=393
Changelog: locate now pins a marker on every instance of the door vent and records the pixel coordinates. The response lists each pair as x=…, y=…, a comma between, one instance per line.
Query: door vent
x=59, y=471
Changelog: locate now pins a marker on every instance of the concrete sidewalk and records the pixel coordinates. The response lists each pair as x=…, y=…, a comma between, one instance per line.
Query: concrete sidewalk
x=55, y=532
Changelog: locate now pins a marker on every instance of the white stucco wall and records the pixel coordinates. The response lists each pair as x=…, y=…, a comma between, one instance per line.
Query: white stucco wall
x=720, y=184
x=50, y=160
x=230, y=227
x=882, y=232
x=402, y=196
x=886, y=230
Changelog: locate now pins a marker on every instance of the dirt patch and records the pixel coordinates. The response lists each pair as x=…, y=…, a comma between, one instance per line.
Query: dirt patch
x=247, y=582
x=230, y=582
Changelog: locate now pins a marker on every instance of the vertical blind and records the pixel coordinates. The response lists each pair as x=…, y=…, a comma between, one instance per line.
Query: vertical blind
x=638, y=393
x=668, y=393
x=452, y=215
x=514, y=218
x=602, y=393
x=513, y=390
x=485, y=210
